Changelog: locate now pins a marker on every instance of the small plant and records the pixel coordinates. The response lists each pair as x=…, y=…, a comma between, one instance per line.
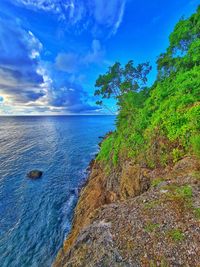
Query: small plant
x=177, y=154
x=150, y=163
x=196, y=175
x=197, y=213
x=156, y=182
x=184, y=191
x=176, y=235
x=163, y=263
x=151, y=227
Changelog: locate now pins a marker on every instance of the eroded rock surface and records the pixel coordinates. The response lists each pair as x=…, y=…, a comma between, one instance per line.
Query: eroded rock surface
x=150, y=218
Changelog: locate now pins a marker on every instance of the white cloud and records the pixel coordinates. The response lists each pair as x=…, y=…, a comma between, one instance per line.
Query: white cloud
x=28, y=84
x=21, y=80
x=83, y=14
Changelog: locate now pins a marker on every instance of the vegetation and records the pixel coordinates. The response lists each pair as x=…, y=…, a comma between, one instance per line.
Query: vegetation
x=119, y=82
x=160, y=124
x=184, y=191
x=156, y=182
x=176, y=235
x=197, y=213
x=151, y=227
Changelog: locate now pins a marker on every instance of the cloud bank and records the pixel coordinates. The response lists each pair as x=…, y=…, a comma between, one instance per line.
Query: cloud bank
x=19, y=76
x=25, y=82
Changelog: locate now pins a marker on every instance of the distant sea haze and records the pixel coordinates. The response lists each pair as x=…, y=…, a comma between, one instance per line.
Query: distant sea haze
x=35, y=216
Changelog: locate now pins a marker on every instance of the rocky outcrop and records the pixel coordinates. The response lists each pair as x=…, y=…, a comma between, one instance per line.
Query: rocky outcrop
x=35, y=174
x=136, y=217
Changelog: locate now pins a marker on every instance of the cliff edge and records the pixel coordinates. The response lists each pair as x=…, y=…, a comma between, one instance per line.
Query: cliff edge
x=146, y=218
x=141, y=205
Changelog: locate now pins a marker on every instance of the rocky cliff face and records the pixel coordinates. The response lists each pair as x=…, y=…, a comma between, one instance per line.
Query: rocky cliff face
x=135, y=216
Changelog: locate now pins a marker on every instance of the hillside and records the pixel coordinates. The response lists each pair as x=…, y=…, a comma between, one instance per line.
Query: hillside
x=141, y=205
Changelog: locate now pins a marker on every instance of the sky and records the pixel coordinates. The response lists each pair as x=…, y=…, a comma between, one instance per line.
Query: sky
x=52, y=51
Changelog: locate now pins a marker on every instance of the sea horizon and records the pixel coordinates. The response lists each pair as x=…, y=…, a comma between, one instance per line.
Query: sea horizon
x=58, y=115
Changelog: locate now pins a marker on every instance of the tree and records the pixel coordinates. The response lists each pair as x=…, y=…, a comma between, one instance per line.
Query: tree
x=119, y=81
x=183, y=52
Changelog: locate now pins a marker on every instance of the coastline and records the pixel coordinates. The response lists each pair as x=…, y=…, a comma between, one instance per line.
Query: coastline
x=132, y=197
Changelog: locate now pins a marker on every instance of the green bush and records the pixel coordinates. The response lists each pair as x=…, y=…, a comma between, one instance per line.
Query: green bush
x=195, y=140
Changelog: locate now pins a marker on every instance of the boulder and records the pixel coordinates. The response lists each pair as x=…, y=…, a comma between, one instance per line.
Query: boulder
x=35, y=174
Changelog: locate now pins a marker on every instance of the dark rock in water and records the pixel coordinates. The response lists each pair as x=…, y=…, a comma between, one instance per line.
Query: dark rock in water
x=35, y=174
x=73, y=191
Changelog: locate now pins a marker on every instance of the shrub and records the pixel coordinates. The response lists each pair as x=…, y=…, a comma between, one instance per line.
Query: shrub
x=196, y=145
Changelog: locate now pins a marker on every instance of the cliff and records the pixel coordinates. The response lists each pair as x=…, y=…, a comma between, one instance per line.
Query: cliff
x=137, y=217
x=141, y=204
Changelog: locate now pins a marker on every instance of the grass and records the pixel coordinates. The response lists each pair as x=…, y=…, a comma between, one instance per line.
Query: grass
x=151, y=227
x=152, y=204
x=156, y=182
x=163, y=263
x=176, y=235
x=197, y=213
x=179, y=198
x=183, y=192
x=196, y=175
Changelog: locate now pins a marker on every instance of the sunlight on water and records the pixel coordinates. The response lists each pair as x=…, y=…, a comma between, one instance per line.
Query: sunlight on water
x=35, y=216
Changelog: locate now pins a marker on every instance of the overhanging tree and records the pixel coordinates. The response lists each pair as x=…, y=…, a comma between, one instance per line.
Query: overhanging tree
x=118, y=81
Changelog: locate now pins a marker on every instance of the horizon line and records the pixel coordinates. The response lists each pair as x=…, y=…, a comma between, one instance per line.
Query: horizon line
x=57, y=115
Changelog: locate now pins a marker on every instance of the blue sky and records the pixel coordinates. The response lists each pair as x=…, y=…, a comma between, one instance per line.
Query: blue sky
x=52, y=51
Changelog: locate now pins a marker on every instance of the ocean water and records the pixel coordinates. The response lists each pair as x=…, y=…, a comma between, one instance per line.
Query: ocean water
x=35, y=216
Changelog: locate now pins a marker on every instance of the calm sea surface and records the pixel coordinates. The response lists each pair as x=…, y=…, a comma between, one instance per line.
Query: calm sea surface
x=35, y=216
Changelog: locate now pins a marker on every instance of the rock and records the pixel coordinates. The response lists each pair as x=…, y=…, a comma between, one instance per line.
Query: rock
x=89, y=168
x=119, y=222
x=74, y=191
x=35, y=174
x=163, y=191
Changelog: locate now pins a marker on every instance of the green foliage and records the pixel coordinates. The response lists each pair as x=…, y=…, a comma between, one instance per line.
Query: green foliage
x=184, y=191
x=118, y=81
x=161, y=124
x=156, y=182
x=151, y=227
x=197, y=213
x=176, y=153
x=176, y=235
x=196, y=144
x=106, y=149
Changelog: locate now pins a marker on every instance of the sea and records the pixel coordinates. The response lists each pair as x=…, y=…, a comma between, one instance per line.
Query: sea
x=36, y=215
